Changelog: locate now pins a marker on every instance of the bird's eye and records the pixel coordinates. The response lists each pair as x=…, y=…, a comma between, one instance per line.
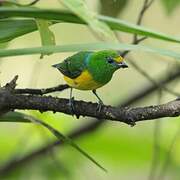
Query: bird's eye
x=110, y=60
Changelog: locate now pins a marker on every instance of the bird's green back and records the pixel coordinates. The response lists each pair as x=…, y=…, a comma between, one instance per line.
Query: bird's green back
x=73, y=65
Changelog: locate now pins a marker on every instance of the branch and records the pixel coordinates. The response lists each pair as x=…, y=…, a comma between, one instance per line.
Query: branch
x=9, y=101
x=60, y=87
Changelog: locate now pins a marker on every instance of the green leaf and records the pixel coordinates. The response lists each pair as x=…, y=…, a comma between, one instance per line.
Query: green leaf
x=4, y=45
x=63, y=16
x=80, y=8
x=86, y=47
x=47, y=36
x=9, y=3
x=20, y=117
x=170, y=5
x=12, y=28
x=69, y=141
x=112, y=8
x=14, y=117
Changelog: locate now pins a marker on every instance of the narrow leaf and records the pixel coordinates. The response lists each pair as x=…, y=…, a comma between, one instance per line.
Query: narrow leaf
x=86, y=47
x=20, y=117
x=69, y=141
x=79, y=7
x=12, y=28
x=62, y=16
x=14, y=117
x=47, y=36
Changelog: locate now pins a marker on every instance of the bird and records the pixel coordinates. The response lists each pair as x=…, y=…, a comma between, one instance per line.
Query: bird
x=90, y=70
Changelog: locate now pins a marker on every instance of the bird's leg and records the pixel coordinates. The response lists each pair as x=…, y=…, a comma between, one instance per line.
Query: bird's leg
x=100, y=104
x=71, y=102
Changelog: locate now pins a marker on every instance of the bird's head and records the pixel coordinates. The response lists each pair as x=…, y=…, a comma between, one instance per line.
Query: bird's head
x=109, y=59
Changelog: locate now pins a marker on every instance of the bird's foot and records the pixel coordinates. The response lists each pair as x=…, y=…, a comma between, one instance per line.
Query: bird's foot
x=131, y=122
x=72, y=108
x=71, y=105
x=99, y=106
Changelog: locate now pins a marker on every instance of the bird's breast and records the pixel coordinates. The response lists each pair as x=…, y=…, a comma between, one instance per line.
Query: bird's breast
x=84, y=81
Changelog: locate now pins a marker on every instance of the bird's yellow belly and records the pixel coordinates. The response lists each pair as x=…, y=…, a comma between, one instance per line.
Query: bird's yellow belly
x=83, y=82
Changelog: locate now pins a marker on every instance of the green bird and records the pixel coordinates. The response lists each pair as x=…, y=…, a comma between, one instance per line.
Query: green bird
x=88, y=70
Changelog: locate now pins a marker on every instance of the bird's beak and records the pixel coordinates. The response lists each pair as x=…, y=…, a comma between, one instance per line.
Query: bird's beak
x=122, y=65
x=55, y=65
x=120, y=62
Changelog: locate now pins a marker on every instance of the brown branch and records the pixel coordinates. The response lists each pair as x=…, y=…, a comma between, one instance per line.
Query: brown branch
x=12, y=84
x=11, y=101
x=59, y=88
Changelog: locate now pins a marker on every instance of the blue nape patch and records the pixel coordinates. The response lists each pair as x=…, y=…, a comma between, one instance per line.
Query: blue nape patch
x=87, y=58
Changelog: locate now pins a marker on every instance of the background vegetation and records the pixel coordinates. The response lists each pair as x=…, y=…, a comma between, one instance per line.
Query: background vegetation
x=151, y=149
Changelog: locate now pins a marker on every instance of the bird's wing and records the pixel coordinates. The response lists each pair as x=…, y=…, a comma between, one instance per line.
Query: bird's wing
x=73, y=66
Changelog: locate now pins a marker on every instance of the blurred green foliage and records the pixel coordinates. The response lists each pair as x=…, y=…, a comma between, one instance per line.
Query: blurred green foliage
x=126, y=152
x=112, y=8
x=170, y=5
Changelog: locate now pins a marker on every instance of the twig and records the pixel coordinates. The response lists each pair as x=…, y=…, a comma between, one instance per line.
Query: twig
x=150, y=88
x=60, y=87
x=32, y=3
x=135, y=40
x=12, y=84
x=147, y=76
x=146, y=5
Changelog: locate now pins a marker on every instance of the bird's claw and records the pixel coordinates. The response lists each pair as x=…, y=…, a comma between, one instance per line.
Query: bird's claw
x=71, y=105
x=131, y=122
x=72, y=109
x=99, y=106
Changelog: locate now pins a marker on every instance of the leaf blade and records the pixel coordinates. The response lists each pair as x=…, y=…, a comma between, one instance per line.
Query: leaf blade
x=47, y=36
x=62, y=16
x=14, y=117
x=86, y=47
x=21, y=117
x=80, y=8
x=12, y=28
